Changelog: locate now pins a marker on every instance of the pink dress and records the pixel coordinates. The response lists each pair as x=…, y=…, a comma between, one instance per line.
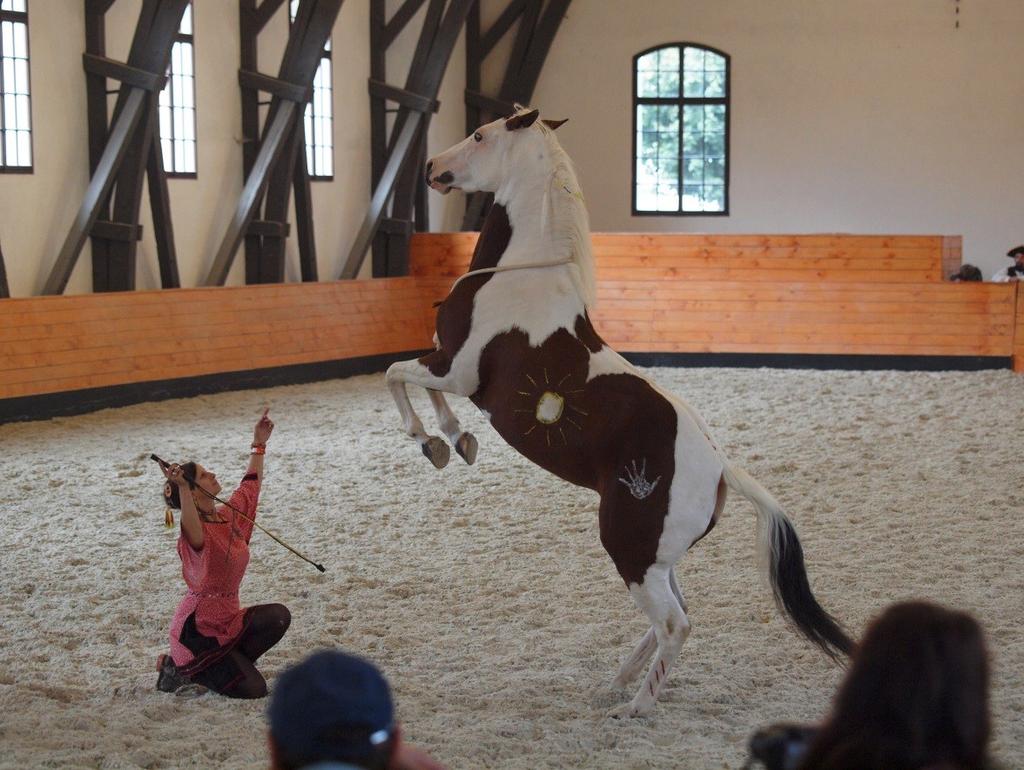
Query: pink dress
x=214, y=573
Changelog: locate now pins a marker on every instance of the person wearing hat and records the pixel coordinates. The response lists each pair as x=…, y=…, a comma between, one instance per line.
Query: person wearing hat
x=1014, y=272
x=333, y=711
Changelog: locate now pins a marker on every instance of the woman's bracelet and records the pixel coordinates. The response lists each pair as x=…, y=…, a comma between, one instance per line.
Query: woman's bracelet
x=259, y=449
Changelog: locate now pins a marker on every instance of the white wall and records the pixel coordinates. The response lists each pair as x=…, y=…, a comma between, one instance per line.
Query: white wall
x=36, y=211
x=874, y=116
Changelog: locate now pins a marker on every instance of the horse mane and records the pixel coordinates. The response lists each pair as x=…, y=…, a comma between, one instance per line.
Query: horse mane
x=567, y=219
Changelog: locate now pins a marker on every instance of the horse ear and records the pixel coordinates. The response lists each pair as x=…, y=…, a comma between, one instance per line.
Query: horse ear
x=522, y=121
x=553, y=124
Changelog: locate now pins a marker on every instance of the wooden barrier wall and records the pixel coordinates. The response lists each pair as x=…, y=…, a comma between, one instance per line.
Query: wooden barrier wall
x=769, y=258
x=818, y=294
x=54, y=344
x=1018, y=339
x=657, y=293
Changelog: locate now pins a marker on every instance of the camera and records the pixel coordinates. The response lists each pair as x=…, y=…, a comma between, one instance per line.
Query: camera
x=780, y=746
x=1014, y=271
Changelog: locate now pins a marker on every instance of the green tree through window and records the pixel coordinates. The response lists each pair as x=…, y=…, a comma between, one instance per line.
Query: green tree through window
x=681, y=130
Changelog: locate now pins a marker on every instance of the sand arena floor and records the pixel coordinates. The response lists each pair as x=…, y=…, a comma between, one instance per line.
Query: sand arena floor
x=483, y=592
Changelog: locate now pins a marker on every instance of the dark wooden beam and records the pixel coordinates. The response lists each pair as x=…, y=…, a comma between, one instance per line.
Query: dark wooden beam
x=5, y=290
x=250, y=23
x=380, y=197
x=108, y=68
x=96, y=194
x=402, y=17
x=508, y=17
x=304, y=213
x=252, y=193
x=298, y=59
x=538, y=25
x=118, y=156
x=269, y=165
x=488, y=104
x=521, y=90
x=474, y=56
x=274, y=86
x=403, y=97
x=275, y=209
x=160, y=206
x=96, y=85
x=264, y=13
x=388, y=258
x=271, y=229
x=116, y=231
x=524, y=34
x=153, y=55
x=378, y=106
x=400, y=172
x=99, y=7
x=96, y=105
x=378, y=119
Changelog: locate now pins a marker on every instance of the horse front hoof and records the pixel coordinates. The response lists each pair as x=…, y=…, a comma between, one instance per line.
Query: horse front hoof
x=437, y=451
x=629, y=711
x=467, y=447
x=624, y=679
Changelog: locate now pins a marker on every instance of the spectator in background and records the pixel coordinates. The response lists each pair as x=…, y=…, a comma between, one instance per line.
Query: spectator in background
x=915, y=698
x=334, y=711
x=966, y=273
x=1014, y=272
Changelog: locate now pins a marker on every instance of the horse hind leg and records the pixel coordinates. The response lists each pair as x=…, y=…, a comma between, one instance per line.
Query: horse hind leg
x=671, y=627
x=465, y=443
x=634, y=664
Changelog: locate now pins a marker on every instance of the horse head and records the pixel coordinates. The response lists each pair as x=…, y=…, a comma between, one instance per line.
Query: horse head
x=496, y=151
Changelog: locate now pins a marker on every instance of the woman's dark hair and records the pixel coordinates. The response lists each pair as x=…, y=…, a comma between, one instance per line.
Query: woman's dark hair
x=171, y=497
x=916, y=696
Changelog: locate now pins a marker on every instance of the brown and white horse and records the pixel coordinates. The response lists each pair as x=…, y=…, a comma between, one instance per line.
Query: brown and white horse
x=514, y=336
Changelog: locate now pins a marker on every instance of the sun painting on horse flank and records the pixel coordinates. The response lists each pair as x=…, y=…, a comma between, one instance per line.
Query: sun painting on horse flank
x=550, y=405
x=514, y=336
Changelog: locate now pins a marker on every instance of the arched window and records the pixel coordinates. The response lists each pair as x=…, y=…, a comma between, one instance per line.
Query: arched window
x=681, y=130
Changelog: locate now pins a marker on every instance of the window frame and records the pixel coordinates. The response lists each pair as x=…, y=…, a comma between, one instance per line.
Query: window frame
x=328, y=54
x=190, y=38
x=681, y=102
x=18, y=17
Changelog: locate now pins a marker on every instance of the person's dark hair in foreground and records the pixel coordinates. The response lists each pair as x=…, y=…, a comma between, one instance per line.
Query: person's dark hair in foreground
x=335, y=710
x=915, y=698
x=966, y=273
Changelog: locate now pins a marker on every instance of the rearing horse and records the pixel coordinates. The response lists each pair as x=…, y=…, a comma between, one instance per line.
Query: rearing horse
x=515, y=337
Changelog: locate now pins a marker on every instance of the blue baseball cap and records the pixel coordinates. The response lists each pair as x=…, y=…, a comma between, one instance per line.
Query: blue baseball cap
x=331, y=705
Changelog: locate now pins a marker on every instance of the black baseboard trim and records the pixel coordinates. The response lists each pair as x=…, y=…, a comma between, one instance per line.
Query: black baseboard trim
x=823, y=361
x=92, y=399
x=72, y=402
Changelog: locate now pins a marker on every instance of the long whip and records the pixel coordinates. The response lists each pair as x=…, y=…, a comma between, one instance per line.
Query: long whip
x=192, y=481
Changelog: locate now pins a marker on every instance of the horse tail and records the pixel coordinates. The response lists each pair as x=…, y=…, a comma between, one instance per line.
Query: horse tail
x=782, y=560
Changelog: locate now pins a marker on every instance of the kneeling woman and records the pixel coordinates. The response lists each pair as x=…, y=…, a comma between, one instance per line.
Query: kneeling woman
x=214, y=642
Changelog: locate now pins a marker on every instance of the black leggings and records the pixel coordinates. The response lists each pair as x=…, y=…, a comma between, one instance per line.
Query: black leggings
x=232, y=671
